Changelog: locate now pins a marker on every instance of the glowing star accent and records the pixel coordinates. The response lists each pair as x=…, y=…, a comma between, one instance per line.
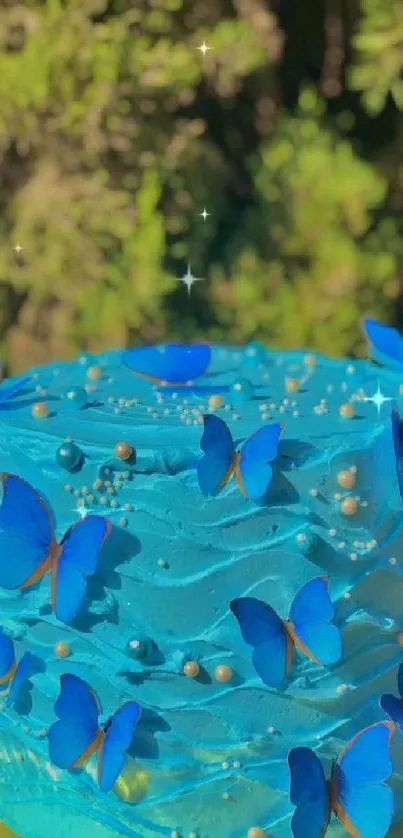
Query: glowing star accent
x=188, y=279
x=204, y=48
x=18, y=249
x=378, y=399
x=204, y=214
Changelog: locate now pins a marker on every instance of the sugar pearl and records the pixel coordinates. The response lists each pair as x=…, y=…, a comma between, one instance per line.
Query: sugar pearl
x=255, y=832
x=40, y=410
x=309, y=361
x=123, y=450
x=223, y=673
x=94, y=373
x=347, y=410
x=346, y=479
x=292, y=385
x=400, y=638
x=191, y=669
x=62, y=649
x=215, y=402
x=349, y=506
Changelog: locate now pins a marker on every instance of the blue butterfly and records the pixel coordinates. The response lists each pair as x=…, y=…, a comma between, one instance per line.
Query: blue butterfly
x=171, y=364
x=357, y=793
x=13, y=674
x=28, y=548
x=273, y=640
x=392, y=706
x=397, y=435
x=77, y=735
x=251, y=466
x=6, y=393
x=386, y=344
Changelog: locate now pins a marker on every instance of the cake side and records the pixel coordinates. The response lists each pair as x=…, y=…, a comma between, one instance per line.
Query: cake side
x=210, y=753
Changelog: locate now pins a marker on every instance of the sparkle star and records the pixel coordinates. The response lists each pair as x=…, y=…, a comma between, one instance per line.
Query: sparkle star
x=204, y=214
x=378, y=399
x=18, y=249
x=204, y=48
x=81, y=510
x=189, y=279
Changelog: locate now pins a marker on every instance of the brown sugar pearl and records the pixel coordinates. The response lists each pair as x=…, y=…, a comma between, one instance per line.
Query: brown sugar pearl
x=215, y=402
x=349, y=506
x=223, y=673
x=62, y=649
x=94, y=373
x=347, y=411
x=40, y=410
x=346, y=479
x=255, y=832
x=292, y=385
x=123, y=450
x=191, y=669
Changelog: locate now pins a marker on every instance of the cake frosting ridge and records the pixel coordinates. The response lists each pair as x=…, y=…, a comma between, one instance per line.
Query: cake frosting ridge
x=209, y=755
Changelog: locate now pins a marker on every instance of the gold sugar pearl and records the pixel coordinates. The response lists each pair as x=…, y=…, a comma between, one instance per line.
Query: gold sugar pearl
x=349, y=506
x=62, y=649
x=191, y=669
x=215, y=402
x=40, y=410
x=291, y=385
x=94, y=373
x=223, y=673
x=123, y=450
x=310, y=360
x=399, y=638
x=346, y=479
x=347, y=410
x=255, y=832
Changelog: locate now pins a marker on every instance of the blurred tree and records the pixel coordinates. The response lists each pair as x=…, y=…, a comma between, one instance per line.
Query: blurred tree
x=116, y=132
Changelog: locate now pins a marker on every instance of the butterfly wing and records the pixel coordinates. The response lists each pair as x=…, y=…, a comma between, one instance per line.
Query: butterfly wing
x=397, y=436
x=11, y=390
x=117, y=739
x=214, y=469
x=363, y=804
x=310, y=616
x=393, y=707
x=174, y=363
x=255, y=472
x=73, y=736
x=22, y=673
x=308, y=793
x=7, y=658
x=26, y=534
x=263, y=629
x=386, y=343
x=77, y=560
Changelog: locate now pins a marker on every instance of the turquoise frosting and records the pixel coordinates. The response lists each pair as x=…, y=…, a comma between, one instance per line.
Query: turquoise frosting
x=214, y=752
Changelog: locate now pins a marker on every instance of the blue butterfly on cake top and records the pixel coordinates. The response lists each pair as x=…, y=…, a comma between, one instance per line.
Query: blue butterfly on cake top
x=28, y=548
x=392, y=706
x=6, y=393
x=173, y=364
x=356, y=793
x=251, y=467
x=77, y=735
x=13, y=674
x=386, y=344
x=309, y=629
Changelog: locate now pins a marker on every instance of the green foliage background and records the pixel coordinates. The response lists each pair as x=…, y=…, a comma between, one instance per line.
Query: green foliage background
x=116, y=132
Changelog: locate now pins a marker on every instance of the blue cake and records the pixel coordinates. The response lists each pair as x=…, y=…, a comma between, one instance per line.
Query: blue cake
x=159, y=627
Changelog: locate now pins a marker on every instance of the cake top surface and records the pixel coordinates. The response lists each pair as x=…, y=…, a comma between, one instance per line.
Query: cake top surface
x=175, y=560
